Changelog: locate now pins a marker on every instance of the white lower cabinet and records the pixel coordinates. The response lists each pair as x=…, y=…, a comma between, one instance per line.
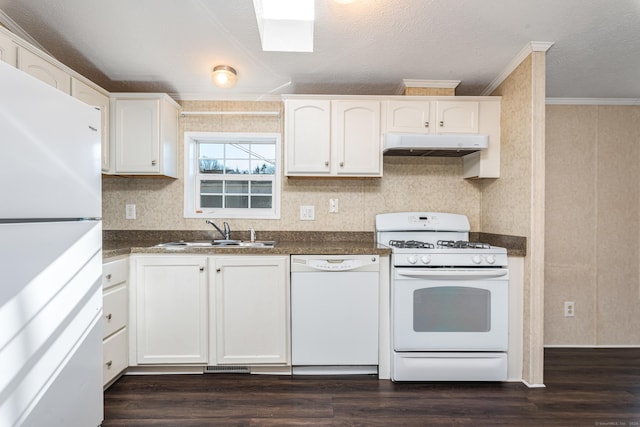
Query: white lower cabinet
x=115, y=297
x=250, y=310
x=170, y=308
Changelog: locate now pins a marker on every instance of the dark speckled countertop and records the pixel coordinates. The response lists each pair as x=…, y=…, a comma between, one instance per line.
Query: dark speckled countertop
x=124, y=242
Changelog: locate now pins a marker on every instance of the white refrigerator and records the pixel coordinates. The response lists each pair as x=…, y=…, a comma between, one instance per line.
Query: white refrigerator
x=50, y=256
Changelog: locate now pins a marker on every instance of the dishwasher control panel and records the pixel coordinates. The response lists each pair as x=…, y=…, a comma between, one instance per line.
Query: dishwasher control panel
x=335, y=263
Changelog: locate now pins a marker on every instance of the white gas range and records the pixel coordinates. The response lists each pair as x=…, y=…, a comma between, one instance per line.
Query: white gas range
x=449, y=299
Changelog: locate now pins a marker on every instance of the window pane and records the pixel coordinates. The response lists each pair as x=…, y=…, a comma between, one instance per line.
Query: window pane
x=263, y=151
x=237, y=202
x=211, y=187
x=211, y=151
x=261, y=202
x=241, y=187
x=238, y=151
x=237, y=167
x=263, y=167
x=211, y=201
x=210, y=166
x=261, y=187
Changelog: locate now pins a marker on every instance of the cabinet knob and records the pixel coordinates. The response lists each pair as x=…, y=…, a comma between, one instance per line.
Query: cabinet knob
x=426, y=124
x=109, y=363
x=201, y=268
x=326, y=163
x=341, y=164
x=153, y=162
x=441, y=124
x=218, y=270
x=108, y=276
x=108, y=316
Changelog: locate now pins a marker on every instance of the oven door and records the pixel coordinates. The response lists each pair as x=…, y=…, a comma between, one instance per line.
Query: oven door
x=442, y=309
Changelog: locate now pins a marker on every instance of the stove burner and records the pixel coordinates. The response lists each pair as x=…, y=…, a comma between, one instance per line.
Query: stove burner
x=410, y=244
x=461, y=244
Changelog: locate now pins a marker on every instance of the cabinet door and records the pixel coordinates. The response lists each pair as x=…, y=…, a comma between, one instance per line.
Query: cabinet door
x=356, y=138
x=252, y=310
x=39, y=68
x=408, y=116
x=137, y=135
x=457, y=116
x=89, y=95
x=171, y=310
x=307, y=137
x=8, y=50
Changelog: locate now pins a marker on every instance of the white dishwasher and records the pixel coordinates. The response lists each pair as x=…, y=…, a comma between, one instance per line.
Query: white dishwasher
x=334, y=314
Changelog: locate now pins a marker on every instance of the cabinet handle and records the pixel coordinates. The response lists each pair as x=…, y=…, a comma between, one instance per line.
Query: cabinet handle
x=426, y=124
x=326, y=163
x=93, y=129
x=108, y=276
x=201, y=268
x=153, y=162
x=108, y=316
x=441, y=124
x=218, y=270
x=109, y=363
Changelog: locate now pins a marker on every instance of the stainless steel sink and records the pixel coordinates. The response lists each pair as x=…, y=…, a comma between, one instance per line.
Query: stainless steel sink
x=218, y=244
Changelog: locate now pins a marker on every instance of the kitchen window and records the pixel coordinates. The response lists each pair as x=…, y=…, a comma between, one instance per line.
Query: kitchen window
x=232, y=175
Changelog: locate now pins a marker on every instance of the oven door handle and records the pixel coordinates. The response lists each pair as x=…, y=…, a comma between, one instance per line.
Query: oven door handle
x=453, y=274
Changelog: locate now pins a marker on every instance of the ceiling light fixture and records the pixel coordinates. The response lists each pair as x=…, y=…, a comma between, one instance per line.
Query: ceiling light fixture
x=285, y=25
x=224, y=76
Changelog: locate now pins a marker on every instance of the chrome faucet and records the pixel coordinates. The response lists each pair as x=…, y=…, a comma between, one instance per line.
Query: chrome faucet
x=227, y=230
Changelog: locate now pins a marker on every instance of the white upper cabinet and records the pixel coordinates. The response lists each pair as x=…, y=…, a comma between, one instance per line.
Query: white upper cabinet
x=334, y=138
x=8, y=50
x=144, y=134
x=91, y=96
x=432, y=116
x=307, y=137
x=356, y=138
x=44, y=70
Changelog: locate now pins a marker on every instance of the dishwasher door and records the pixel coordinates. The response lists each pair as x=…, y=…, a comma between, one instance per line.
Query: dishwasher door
x=334, y=314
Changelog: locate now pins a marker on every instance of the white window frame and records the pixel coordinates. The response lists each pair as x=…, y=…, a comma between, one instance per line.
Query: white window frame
x=191, y=168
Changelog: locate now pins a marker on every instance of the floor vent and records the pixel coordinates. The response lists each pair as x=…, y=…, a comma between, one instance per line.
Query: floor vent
x=226, y=370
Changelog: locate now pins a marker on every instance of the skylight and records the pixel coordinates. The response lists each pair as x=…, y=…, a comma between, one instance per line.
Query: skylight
x=285, y=25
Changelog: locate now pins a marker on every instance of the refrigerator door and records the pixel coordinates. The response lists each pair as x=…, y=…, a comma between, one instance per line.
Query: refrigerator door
x=51, y=314
x=49, y=151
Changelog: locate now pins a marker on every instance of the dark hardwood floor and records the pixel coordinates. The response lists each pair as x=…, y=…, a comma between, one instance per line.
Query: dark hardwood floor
x=584, y=387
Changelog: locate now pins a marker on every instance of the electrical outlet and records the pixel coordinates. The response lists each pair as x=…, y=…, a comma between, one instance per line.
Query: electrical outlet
x=333, y=205
x=130, y=211
x=569, y=309
x=307, y=213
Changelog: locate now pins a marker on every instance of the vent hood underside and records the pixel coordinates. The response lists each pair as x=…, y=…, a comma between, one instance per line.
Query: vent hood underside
x=447, y=145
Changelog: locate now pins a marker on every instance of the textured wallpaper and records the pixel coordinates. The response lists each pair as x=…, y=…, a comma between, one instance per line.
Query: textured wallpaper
x=593, y=225
x=409, y=183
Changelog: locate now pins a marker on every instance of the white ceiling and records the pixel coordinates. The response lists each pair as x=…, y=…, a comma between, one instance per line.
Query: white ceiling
x=367, y=47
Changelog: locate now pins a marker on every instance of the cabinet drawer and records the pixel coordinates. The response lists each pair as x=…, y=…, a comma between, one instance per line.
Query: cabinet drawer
x=114, y=302
x=114, y=355
x=115, y=272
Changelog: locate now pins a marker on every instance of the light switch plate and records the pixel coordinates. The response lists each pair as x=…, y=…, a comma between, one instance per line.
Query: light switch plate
x=130, y=211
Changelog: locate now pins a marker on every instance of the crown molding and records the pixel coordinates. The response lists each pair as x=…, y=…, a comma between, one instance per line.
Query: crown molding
x=197, y=96
x=592, y=101
x=517, y=60
x=11, y=25
x=440, y=84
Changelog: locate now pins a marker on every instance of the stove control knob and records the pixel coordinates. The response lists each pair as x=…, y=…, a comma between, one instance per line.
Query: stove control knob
x=426, y=259
x=491, y=259
x=477, y=259
x=412, y=259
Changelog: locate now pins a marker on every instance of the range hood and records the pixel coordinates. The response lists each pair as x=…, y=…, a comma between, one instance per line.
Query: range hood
x=442, y=145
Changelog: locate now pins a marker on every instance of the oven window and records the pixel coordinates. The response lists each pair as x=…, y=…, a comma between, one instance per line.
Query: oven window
x=451, y=309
